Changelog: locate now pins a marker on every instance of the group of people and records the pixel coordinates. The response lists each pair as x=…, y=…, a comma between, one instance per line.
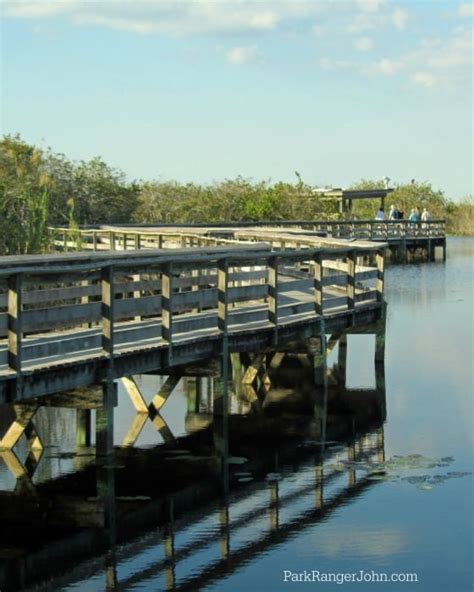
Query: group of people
x=396, y=214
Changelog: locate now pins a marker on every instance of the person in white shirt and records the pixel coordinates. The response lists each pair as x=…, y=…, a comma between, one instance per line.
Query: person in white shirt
x=380, y=215
x=425, y=215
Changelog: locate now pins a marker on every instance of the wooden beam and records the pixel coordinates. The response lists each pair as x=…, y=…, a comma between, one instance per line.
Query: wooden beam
x=162, y=395
x=135, y=429
x=24, y=413
x=135, y=394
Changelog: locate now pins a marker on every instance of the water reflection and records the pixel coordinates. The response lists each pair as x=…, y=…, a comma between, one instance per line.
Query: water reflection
x=278, y=447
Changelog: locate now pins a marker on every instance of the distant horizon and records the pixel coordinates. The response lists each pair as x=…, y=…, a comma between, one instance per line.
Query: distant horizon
x=202, y=91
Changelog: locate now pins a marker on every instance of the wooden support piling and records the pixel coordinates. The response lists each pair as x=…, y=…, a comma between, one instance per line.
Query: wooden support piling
x=380, y=261
x=273, y=295
x=15, y=330
x=318, y=284
x=167, y=308
x=351, y=276
x=108, y=305
x=222, y=296
x=104, y=420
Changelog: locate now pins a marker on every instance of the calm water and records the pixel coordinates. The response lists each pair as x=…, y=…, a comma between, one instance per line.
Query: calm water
x=377, y=479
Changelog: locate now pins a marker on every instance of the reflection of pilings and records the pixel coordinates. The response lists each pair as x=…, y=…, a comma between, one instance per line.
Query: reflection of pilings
x=168, y=540
x=23, y=473
x=104, y=420
x=221, y=384
x=274, y=506
x=24, y=414
x=351, y=455
x=319, y=361
x=111, y=581
x=224, y=541
x=319, y=487
x=380, y=445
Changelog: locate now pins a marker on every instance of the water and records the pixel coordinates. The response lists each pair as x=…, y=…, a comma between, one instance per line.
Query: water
x=390, y=492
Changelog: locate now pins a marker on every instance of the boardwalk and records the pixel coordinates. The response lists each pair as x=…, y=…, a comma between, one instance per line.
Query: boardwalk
x=75, y=319
x=404, y=239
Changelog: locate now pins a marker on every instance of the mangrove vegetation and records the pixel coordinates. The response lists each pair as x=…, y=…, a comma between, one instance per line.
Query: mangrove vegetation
x=40, y=188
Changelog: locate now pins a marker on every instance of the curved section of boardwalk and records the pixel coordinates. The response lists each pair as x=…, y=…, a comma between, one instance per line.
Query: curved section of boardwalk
x=77, y=319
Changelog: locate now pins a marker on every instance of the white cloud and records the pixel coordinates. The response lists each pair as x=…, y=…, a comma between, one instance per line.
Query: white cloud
x=399, y=18
x=370, y=5
x=385, y=66
x=363, y=43
x=424, y=78
x=38, y=8
x=170, y=17
x=242, y=55
x=466, y=9
x=331, y=65
x=441, y=62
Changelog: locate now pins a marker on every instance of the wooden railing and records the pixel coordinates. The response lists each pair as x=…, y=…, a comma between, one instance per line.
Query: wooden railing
x=58, y=307
x=196, y=235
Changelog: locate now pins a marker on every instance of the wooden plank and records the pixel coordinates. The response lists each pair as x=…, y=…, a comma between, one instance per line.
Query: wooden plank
x=164, y=392
x=135, y=394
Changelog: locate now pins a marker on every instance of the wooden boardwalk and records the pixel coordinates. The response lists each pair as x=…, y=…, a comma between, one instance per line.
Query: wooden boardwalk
x=77, y=319
x=404, y=239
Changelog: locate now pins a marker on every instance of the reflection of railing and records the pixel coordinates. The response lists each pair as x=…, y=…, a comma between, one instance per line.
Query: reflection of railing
x=318, y=507
x=79, y=308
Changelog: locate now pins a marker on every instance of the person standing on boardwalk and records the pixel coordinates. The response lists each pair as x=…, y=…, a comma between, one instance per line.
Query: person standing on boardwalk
x=414, y=215
x=425, y=216
x=393, y=214
x=380, y=215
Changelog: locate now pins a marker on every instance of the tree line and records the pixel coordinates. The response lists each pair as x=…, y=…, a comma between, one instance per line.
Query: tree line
x=40, y=188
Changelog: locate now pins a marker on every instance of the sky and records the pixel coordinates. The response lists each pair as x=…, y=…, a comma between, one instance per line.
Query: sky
x=205, y=90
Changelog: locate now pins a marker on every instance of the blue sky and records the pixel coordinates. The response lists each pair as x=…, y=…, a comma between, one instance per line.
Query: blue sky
x=210, y=89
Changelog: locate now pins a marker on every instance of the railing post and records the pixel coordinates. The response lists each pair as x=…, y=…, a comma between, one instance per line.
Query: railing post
x=107, y=284
x=318, y=284
x=137, y=240
x=273, y=294
x=112, y=240
x=15, y=329
x=222, y=296
x=351, y=275
x=380, y=260
x=167, y=307
x=94, y=241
